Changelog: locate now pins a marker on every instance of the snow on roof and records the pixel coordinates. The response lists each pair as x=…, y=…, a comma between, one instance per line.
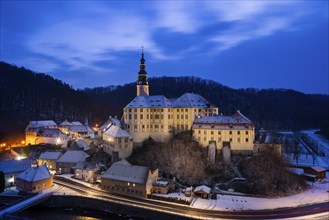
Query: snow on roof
x=161, y=183
x=156, y=101
x=116, y=132
x=318, y=168
x=65, y=123
x=73, y=156
x=39, y=124
x=78, y=128
x=50, y=155
x=34, y=174
x=15, y=166
x=187, y=100
x=82, y=144
x=236, y=119
x=76, y=123
x=124, y=171
x=191, y=100
x=50, y=132
x=202, y=188
x=86, y=166
x=109, y=122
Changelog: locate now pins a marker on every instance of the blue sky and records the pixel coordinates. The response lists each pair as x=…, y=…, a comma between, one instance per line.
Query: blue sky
x=261, y=44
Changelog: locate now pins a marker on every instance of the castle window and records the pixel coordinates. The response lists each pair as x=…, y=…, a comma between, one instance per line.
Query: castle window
x=129, y=116
x=230, y=139
x=182, y=116
x=230, y=132
x=186, y=110
x=219, y=132
x=135, y=110
x=177, y=116
x=161, y=126
x=186, y=116
x=239, y=140
x=141, y=116
x=212, y=132
x=246, y=132
x=247, y=140
x=205, y=132
x=238, y=132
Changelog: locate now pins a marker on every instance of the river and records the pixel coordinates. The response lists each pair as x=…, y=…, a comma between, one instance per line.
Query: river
x=51, y=213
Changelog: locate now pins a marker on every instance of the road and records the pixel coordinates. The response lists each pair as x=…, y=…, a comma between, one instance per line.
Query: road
x=187, y=211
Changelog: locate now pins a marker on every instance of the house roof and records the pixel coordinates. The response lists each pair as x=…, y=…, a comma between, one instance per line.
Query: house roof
x=34, y=174
x=65, y=123
x=116, y=131
x=187, y=100
x=191, y=100
x=82, y=144
x=86, y=166
x=108, y=123
x=15, y=166
x=223, y=122
x=50, y=155
x=50, y=132
x=156, y=101
x=76, y=123
x=202, y=188
x=33, y=125
x=72, y=156
x=80, y=128
x=124, y=171
x=318, y=168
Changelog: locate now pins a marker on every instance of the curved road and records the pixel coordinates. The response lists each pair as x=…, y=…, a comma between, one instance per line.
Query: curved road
x=187, y=211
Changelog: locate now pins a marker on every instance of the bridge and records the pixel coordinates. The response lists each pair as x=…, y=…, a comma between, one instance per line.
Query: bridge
x=21, y=205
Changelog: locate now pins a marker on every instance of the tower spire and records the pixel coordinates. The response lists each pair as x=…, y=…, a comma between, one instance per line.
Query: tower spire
x=142, y=82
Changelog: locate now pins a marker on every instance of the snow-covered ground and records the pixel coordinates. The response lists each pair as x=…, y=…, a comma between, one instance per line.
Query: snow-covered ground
x=69, y=176
x=305, y=159
x=315, y=194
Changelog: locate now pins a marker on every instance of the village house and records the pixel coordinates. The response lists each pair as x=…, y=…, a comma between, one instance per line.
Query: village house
x=237, y=131
x=49, y=158
x=111, y=121
x=159, y=118
x=130, y=180
x=162, y=187
x=35, y=179
x=86, y=171
x=314, y=173
x=117, y=142
x=66, y=163
x=80, y=131
x=80, y=145
x=202, y=191
x=64, y=127
x=12, y=168
x=33, y=129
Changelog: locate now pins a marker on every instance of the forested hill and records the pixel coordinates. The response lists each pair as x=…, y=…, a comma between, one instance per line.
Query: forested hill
x=26, y=95
x=268, y=108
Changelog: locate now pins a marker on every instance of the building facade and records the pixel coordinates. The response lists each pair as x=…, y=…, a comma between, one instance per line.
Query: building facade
x=159, y=118
x=49, y=158
x=130, y=180
x=35, y=179
x=236, y=131
x=117, y=142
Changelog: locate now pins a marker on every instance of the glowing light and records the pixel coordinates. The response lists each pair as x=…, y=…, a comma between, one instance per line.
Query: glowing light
x=58, y=141
x=19, y=157
x=11, y=180
x=23, y=142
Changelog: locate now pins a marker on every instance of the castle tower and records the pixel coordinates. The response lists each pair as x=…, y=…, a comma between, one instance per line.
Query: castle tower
x=142, y=83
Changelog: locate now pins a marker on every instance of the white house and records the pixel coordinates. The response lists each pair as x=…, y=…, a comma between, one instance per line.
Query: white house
x=11, y=168
x=66, y=163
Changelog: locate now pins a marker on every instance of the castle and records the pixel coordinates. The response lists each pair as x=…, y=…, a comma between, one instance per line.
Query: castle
x=159, y=118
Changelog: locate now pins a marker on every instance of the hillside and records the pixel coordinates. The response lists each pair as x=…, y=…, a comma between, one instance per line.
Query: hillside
x=268, y=108
x=26, y=95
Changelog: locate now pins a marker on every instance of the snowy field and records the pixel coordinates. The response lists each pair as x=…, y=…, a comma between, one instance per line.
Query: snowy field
x=315, y=194
x=306, y=159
